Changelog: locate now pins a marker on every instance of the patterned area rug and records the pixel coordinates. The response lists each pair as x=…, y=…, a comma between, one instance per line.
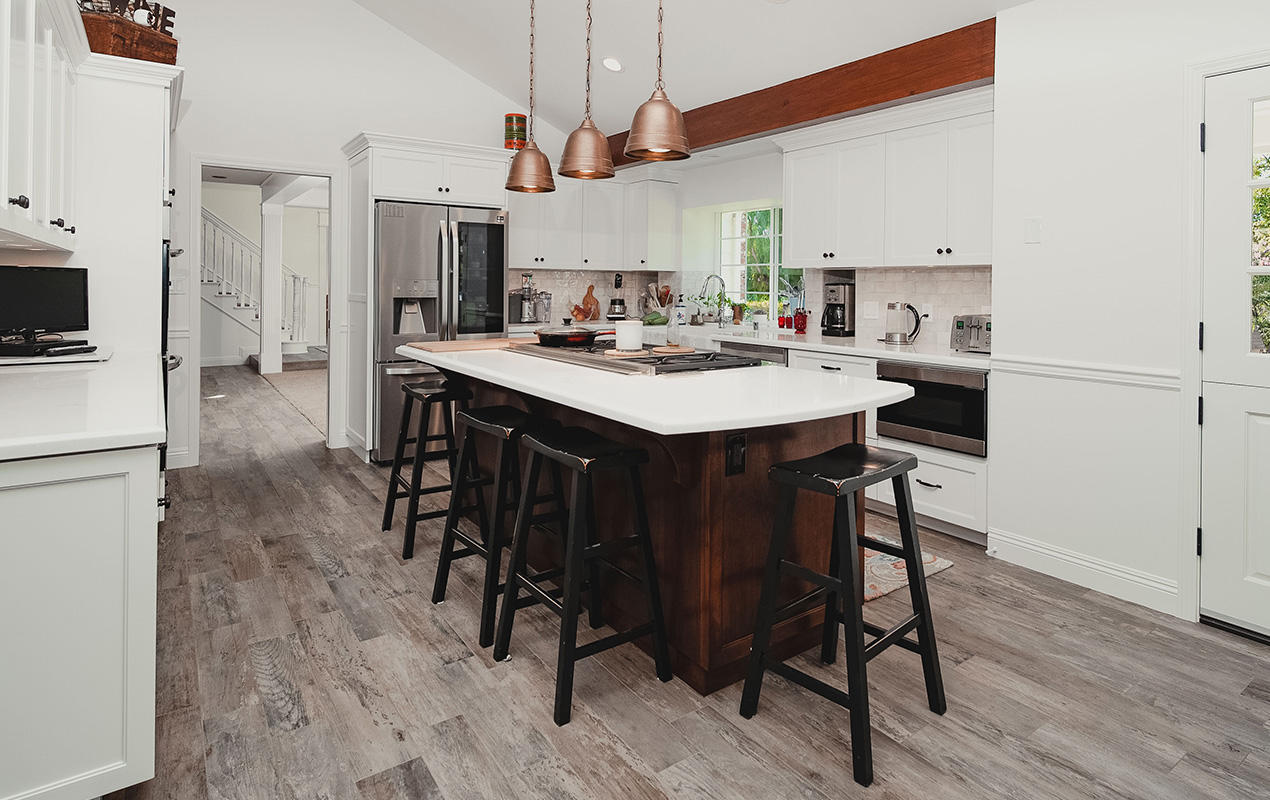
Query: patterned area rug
x=884, y=574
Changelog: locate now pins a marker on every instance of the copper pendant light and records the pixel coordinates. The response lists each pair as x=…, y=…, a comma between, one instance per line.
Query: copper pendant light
x=530, y=170
x=586, y=151
x=658, y=132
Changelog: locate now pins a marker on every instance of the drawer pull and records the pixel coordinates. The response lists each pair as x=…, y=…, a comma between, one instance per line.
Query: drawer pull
x=831, y=369
x=929, y=485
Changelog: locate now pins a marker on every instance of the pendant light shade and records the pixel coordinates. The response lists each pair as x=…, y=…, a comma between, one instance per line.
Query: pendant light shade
x=658, y=132
x=586, y=151
x=530, y=170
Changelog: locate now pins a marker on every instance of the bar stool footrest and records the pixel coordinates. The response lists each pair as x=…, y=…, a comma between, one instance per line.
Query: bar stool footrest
x=810, y=576
x=831, y=693
x=800, y=604
x=609, y=642
x=895, y=635
x=881, y=547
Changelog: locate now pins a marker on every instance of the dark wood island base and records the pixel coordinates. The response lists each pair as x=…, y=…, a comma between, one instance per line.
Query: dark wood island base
x=710, y=533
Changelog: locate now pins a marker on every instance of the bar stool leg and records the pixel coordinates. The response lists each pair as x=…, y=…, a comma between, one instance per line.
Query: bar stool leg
x=917, y=591
x=403, y=433
x=557, y=497
x=516, y=568
x=571, y=599
x=833, y=601
x=781, y=524
x=595, y=588
x=857, y=677
x=652, y=589
x=494, y=542
x=451, y=521
x=416, y=480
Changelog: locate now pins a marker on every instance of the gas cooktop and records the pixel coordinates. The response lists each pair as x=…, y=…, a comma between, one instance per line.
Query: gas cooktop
x=594, y=357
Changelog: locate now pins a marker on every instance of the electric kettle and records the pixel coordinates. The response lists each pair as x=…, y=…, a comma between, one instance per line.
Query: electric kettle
x=897, y=323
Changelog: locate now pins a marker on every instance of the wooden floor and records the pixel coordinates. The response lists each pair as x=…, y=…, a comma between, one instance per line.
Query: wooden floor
x=300, y=658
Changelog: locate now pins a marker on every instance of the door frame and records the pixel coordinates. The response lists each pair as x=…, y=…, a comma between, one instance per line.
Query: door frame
x=1188, y=588
x=337, y=340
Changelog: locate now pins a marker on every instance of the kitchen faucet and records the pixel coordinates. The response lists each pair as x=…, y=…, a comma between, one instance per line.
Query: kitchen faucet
x=723, y=290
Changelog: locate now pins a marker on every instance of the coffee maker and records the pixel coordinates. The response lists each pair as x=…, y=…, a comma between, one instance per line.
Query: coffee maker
x=839, y=316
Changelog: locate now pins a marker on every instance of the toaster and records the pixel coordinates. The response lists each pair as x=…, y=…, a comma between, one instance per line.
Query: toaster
x=972, y=333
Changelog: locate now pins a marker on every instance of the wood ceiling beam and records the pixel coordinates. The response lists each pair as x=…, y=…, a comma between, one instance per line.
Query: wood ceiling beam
x=966, y=55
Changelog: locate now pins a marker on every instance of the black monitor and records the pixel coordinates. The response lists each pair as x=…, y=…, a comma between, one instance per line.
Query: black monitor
x=36, y=300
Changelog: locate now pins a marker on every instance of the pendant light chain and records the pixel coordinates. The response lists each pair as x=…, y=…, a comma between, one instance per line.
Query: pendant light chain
x=660, y=83
x=588, y=60
x=531, y=70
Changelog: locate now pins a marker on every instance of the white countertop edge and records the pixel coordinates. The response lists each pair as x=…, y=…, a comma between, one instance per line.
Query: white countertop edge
x=851, y=346
x=881, y=393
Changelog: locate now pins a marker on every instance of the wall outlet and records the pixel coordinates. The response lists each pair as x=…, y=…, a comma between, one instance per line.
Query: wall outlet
x=870, y=309
x=1032, y=230
x=734, y=447
x=928, y=309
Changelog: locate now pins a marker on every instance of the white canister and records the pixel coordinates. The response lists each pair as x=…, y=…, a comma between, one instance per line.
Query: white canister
x=630, y=334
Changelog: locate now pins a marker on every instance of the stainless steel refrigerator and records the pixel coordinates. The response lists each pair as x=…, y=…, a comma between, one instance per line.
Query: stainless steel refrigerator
x=440, y=274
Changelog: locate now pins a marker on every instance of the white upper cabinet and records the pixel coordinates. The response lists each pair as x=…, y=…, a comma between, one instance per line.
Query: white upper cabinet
x=603, y=213
x=651, y=230
x=37, y=116
x=903, y=187
x=422, y=171
x=544, y=229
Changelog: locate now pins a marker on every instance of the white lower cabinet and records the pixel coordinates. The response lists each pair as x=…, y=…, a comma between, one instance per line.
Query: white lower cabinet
x=946, y=486
x=840, y=365
x=78, y=550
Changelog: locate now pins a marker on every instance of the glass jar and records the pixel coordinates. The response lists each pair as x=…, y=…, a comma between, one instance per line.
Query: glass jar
x=800, y=320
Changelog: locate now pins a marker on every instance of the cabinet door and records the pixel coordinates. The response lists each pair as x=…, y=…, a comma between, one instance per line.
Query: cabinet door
x=834, y=364
x=970, y=190
x=810, y=214
x=478, y=181
x=635, y=228
x=560, y=234
x=41, y=116
x=602, y=214
x=57, y=136
x=523, y=224
x=408, y=176
x=68, y=151
x=19, y=79
x=917, y=196
x=861, y=202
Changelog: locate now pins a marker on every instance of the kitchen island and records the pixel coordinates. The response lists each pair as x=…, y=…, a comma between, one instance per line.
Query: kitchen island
x=711, y=437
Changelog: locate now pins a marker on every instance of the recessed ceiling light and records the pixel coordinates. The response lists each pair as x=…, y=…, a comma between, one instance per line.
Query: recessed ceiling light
x=612, y=64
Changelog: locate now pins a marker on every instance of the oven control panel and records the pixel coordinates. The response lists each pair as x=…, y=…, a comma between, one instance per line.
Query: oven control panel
x=972, y=333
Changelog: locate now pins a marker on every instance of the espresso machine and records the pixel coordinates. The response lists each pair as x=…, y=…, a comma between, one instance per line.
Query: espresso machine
x=839, y=316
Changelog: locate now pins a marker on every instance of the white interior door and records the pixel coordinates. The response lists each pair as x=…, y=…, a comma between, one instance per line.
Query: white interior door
x=1235, y=516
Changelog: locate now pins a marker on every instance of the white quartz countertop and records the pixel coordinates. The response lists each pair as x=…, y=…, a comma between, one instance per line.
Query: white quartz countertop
x=57, y=409
x=924, y=350
x=691, y=402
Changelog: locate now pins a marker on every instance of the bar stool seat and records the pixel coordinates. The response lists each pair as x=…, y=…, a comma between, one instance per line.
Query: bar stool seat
x=503, y=422
x=840, y=473
x=584, y=453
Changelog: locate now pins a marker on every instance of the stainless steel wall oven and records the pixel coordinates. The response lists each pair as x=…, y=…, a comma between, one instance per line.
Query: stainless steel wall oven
x=948, y=410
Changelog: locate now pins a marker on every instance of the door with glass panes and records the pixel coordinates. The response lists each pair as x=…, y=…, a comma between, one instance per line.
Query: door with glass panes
x=1235, y=496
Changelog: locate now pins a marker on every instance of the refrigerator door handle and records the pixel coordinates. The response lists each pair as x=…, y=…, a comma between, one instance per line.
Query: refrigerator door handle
x=453, y=267
x=409, y=371
x=445, y=312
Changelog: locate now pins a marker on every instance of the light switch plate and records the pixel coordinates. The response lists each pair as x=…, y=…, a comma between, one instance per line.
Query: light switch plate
x=1032, y=230
x=870, y=309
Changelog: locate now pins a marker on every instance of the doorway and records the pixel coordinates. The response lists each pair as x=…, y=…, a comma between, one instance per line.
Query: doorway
x=1234, y=580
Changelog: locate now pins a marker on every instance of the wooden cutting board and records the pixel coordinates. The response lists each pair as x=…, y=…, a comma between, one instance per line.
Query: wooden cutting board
x=466, y=344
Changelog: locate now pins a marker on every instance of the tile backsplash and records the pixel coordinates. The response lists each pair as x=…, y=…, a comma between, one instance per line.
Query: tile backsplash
x=942, y=292
x=568, y=287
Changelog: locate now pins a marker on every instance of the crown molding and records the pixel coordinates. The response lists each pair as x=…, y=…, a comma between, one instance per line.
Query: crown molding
x=96, y=65
x=365, y=140
x=923, y=112
x=69, y=23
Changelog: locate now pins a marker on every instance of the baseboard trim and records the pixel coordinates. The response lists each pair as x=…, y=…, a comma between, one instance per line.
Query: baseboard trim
x=222, y=361
x=1116, y=580
x=1116, y=374
x=180, y=458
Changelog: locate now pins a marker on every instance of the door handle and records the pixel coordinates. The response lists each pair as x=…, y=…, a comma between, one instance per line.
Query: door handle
x=174, y=362
x=454, y=280
x=929, y=485
x=445, y=312
x=409, y=371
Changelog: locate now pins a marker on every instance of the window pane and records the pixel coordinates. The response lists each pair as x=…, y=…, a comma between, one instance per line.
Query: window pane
x=732, y=252
x=1260, y=314
x=780, y=220
x=1261, y=139
x=757, y=279
x=758, y=303
x=758, y=223
x=758, y=251
x=1261, y=227
x=732, y=224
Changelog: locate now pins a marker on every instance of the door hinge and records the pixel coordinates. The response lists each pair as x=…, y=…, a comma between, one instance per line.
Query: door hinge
x=1203, y=136
x=1201, y=336
x=1199, y=541
x=1201, y=410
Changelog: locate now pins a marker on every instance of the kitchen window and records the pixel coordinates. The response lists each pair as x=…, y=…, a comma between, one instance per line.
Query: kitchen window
x=750, y=258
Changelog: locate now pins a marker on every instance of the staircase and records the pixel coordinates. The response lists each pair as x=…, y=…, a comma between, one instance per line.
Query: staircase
x=231, y=273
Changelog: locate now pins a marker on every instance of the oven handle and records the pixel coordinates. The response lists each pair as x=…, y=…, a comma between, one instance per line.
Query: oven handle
x=916, y=372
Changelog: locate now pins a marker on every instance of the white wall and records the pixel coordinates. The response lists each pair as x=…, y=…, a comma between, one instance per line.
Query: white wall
x=1087, y=412
x=237, y=205
x=287, y=83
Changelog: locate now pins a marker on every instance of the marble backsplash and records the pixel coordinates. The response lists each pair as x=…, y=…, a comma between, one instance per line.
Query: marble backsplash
x=942, y=292
x=569, y=286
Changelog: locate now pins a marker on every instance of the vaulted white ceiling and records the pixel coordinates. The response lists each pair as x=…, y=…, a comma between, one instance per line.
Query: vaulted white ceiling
x=714, y=49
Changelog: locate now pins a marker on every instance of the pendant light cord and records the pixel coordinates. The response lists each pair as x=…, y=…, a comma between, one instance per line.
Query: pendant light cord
x=588, y=60
x=660, y=83
x=531, y=70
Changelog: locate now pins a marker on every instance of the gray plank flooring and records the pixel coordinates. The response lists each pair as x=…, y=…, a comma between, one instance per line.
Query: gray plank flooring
x=299, y=657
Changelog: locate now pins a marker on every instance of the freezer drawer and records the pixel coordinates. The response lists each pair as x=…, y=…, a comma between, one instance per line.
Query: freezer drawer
x=389, y=379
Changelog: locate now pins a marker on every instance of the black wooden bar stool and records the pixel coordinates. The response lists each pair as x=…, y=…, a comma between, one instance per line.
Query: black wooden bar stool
x=840, y=473
x=506, y=425
x=584, y=453
x=427, y=394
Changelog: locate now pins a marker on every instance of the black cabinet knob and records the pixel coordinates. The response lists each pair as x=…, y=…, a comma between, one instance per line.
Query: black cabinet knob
x=447, y=188
x=831, y=255
x=642, y=261
x=585, y=261
x=940, y=251
x=439, y=189
x=71, y=229
x=22, y=201
x=948, y=250
x=824, y=255
x=59, y=222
